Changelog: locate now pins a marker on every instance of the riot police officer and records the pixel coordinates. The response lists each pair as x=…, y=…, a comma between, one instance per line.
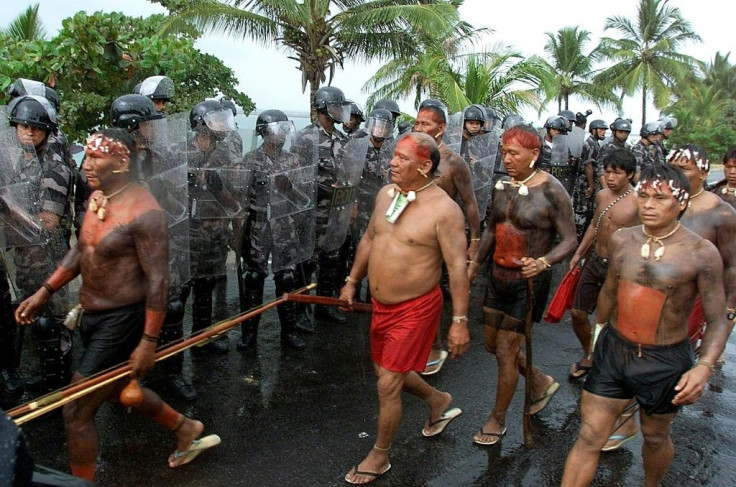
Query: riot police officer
x=160, y=89
x=645, y=149
x=324, y=141
x=45, y=175
x=279, y=225
x=583, y=195
x=620, y=130
x=352, y=127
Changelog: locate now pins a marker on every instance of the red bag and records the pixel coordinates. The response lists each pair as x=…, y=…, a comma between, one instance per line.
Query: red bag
x=562, y=300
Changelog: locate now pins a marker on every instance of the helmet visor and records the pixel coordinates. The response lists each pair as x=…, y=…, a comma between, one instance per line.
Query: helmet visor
x=220, y=120
x=339, y=111
x=284, y=128
x=379, y=128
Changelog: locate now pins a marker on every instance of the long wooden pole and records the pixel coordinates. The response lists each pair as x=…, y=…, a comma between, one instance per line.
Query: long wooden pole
x=325, y=301
x=56, y=399
x=528, y=382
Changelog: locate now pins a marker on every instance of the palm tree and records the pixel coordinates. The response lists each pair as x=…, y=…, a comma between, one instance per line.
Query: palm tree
x=26, y=26
x=646, y=57
x=721, y=74
x=320, y=34
x=571, y=70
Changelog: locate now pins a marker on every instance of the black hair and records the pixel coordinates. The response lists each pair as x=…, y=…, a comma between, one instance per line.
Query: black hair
x=730, y=155
x=670, y=175
x=620, y=159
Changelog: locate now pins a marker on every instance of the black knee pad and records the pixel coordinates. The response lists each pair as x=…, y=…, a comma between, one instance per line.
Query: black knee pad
x=285, y=281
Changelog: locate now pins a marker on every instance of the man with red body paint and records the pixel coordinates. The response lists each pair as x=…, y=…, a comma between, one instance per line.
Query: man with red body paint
x=122, y=256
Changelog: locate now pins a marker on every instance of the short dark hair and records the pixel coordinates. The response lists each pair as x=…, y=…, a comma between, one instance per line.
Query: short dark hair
x=438, y=114
x=620, y=159
x=730, y=155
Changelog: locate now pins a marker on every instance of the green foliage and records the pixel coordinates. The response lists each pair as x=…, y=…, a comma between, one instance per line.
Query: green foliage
x=96, y=58
x=716, y=139
x=27, y=26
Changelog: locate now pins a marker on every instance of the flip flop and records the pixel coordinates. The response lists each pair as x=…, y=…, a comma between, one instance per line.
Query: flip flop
x=538, y=404
x=496, y=439
x=197, y=447
x=622, y=440
x=375, y=475
x=443, y=421
x=436, y=363
x=580, y=369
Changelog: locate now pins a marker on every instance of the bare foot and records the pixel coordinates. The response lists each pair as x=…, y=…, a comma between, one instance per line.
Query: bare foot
x=490, y=433
x=438, y=404
x=542, y=383
x=580, y=368
x=374, y=465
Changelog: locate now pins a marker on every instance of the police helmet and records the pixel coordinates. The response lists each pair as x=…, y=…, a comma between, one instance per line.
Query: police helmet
x=557, y=122
x=157, y=88
x=598, y=124
x=357, y=111
x=651, y=128
x=380, y=123
x=331, y=100
x=33, y=110
x=512, y=120
x=669, y=123
x=52, y=96
x=389, y=105
x=267, y=117
x=198, y=112
x=23, y=86
x=622, y=124
x=568, y=114
x=128, y=111
x=228, y=104
x=474, y=113
x=582, y=118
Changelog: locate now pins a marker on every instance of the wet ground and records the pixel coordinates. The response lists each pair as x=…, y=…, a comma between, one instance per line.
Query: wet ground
x=291, y=418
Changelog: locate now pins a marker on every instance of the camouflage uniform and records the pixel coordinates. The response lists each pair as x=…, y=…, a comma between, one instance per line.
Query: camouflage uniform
x=376, y=174
x=606, y=149
x=585, y=207
x=50, y=180
x=643, y=154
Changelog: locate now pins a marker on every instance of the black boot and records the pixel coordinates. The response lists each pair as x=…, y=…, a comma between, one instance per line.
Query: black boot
x=172, y=331
x=329, y=281
x=288, y=313
x=12, y=383
x=202, y=314
x=304, y=321
x=252, y=297
x=54, y=352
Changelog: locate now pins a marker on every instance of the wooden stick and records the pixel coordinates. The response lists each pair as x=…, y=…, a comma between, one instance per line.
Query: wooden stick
x=325, y=301
x=56, y=399
x=528, y=382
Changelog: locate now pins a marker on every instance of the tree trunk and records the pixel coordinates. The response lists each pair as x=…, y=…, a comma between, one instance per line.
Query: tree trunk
x=643, y=103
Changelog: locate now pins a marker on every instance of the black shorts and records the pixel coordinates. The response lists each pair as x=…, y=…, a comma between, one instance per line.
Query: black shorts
x=506, y=292
x=591, y=281
x=620, y=373
x=109, y=337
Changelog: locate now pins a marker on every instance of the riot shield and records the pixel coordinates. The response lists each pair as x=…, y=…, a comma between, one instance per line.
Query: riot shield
x=482, y=150
x=349, y=164
x=21, y=192
x=454, y=131
x=167, y=179
x=575, y=141
x=560, y=162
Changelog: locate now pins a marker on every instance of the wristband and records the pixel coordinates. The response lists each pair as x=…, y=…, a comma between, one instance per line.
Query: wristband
x=704, y=364
x=351, y=280
x=475, y=239
x=544, y=261
x=459, y=318
x=149, y=338
x=472, y=262
x=48, y=288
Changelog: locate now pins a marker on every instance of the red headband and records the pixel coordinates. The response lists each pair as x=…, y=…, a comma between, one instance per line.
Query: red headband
x=100, y=146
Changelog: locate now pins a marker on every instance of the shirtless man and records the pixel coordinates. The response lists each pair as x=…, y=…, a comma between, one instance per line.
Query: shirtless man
x=455, y=179
x=726, y=189
x=415, y=227
x=122, y=256
x=656, y=272
x=615, y=208
x=529, y=211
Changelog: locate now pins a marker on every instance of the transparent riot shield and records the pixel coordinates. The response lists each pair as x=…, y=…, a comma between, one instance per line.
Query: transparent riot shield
x=349, y=164
x=166, y=141
x=482, y=151
x=560, y=162
x=575, y=141
x=376, y=174
x=21, y=192
x=454, y=131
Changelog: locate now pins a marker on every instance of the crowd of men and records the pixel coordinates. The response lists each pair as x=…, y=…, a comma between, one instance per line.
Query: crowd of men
x=160, y=200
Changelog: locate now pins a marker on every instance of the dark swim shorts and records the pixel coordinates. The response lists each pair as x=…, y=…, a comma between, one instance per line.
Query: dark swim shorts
x=109, y=337
x=620, y=373
x=506, y=292
x=591, y=281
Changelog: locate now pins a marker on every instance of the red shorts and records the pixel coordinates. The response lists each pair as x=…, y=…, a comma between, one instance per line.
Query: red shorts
x=402, y=333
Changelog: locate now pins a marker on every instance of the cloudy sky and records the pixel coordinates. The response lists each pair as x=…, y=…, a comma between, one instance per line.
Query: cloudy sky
x=273, y=81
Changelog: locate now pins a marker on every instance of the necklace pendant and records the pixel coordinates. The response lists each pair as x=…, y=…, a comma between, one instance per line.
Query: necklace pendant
x=724, y=190
x=101, y=213
x=645, y=250
x=391, y=192
x=499, y=185
x=93, y=205
x=523, y=190
x=659, y=253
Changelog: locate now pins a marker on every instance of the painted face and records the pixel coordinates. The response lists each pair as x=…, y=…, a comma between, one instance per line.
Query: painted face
x=518, y=159
x=427, y=124
x=616, y=179
x=729, y=170
x=658, y=204
x=406, y=163
x=102, y=157
x=29, y=135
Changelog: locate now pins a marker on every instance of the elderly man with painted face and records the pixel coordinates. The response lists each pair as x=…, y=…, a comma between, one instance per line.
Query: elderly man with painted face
x=530, y=210
x=414, y=229
x=122, y=257
x=644, y=353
